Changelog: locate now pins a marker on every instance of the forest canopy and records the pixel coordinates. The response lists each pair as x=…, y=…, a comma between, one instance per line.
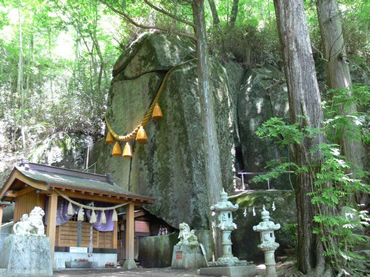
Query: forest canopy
x=57, y=56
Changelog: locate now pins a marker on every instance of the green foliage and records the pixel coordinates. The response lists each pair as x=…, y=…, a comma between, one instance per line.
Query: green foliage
x=247, y=44
x=334, y=184
x=354, y=124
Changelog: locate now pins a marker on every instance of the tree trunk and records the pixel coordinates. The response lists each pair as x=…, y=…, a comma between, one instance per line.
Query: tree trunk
x=216, y=19
x=234, y=12
x=305, y=108
x=20, y=89
x=212, y=154
x=339, y=77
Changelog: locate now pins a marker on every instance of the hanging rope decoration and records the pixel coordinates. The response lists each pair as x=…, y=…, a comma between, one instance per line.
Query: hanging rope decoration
x=93, y=217
x=154, y=111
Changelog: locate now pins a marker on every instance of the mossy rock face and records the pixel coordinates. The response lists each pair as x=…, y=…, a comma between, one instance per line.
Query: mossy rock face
x=170, y=166
x=244, y=239
x=164, y=52
x=263, y=95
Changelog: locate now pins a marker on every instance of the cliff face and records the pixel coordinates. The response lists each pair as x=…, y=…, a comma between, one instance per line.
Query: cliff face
x=170, y=166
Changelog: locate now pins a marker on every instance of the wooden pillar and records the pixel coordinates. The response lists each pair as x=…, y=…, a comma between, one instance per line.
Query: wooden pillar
x=115, y=234
x=1, y=216
x=130, y=232
x=52, y=220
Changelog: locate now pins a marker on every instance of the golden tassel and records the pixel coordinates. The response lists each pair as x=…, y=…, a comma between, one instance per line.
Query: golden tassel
x=103, y=218
x=80, y=216
x=157, y=112
x=127, y=151
x=109, y=139
x=117, y=150
x=141, y=135
x=70, y=211
x=114, y=216
x=93, y=217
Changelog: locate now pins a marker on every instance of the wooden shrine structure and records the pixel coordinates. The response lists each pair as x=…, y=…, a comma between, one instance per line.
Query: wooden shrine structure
x=30, y=185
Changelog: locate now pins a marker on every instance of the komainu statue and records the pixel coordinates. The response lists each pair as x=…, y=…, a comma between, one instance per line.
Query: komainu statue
x=32, y=224
x=186, y=236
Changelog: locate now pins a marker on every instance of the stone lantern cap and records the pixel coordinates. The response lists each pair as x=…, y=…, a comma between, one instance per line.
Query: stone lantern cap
x=224, y=204
x=266, y=224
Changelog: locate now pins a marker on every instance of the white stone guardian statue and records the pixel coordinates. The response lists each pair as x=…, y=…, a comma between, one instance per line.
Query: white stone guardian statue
x=31, y=225
x=186, y=236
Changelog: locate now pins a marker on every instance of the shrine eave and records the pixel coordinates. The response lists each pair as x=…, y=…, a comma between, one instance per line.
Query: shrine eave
x=44, y=179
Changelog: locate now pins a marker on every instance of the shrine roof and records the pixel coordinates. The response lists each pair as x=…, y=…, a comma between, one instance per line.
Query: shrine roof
x=43, y=177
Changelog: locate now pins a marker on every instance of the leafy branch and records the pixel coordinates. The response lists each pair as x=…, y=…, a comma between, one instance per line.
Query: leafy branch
x=131, y=21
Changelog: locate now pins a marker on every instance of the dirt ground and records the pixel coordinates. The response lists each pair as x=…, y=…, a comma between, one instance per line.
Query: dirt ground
x=155, y=272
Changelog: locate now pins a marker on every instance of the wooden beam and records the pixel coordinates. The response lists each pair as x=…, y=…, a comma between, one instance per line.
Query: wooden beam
x=130, y=232
x=17, y=175
x=52, y=220
x=95, y=197
x=10, y=194
x=23, y=191
x=133, y=198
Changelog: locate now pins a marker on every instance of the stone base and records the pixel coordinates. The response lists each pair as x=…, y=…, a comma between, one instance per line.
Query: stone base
x=74, y=264
x=227, y=262
x=230, y=271
x=187, y=257
x=24, y=256
x=129, y=264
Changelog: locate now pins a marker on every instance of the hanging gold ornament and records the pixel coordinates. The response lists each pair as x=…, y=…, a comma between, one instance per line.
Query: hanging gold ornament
x=157, y=112
x=109, y=139
x=141, y=135
x=127, y=151
x=117, y=151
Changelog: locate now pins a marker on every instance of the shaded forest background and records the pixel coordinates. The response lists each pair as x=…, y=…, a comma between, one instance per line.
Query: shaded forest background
x=56, y=59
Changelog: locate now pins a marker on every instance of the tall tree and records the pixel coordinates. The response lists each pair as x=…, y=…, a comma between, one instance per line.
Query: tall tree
x=305, y=109
x=216, y=19
x=20, y=81
x=234, y=12
x=339, y=77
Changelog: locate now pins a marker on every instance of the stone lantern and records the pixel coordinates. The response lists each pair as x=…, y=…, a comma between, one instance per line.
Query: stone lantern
x=268, y=244
x=225, y=223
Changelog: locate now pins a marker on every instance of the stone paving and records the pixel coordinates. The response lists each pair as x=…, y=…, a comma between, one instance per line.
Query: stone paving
x=154, y=272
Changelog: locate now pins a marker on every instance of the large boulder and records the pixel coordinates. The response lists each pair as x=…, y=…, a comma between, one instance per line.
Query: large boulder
x=170, y=166
x=263, y=95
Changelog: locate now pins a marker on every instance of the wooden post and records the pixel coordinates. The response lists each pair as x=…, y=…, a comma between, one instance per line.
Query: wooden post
x=1, y=216
x=130, y=232
x=52, y=220
x=115, y=230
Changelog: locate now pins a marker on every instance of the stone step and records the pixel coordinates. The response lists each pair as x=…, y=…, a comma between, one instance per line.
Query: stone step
x=2, y=272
